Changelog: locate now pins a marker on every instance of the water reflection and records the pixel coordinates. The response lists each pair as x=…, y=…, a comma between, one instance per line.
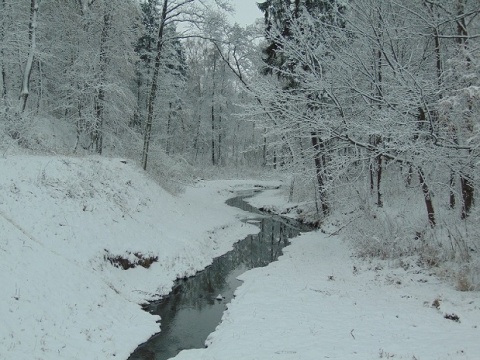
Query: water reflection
x=191, y=311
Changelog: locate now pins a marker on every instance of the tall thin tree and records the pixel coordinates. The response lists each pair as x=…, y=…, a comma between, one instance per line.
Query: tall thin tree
x=32, y=34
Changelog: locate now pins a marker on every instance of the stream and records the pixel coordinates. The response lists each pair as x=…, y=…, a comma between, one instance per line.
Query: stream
x=193, y=309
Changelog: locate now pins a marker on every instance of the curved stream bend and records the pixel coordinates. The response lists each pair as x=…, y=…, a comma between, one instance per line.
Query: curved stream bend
x=192, y=311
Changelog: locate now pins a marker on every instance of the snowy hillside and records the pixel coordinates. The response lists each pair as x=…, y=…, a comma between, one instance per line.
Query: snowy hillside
x=65, y=223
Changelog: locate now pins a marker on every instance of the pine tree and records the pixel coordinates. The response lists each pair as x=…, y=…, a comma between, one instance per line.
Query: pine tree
x=285, y=23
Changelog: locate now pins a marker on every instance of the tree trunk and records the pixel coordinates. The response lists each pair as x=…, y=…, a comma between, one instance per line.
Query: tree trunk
x=223, y=106
x=468, y=191
x=214, y=158
x=196, y=147
x=439, y=68
x=2, y=53
x=153, y=89
x=39, y=87
x=100, y=101
x=466, y=181
x=377, y=138
x=78, y=128
x=4, y=76
x=135, y=122
x=452, y=193
x=428, y=198
x=371, y=169
x=264, y=148
x=438, y=57
x=409, y=175
x=318, y=149
x=169, y=124
x=31, y=54
x=379, y=181
x=220, y=157
x=376, y=171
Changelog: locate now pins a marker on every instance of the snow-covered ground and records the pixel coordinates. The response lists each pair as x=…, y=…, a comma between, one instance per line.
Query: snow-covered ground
x=61, y=299
x=60, y=217
x=320, y=302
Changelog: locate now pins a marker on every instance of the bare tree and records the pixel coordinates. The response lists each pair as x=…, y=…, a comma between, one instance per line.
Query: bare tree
x=3, y=72
x=32, y=33
x=170, y=11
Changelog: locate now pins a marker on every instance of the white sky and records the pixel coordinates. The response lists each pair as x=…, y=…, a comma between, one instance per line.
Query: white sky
x=246, y=11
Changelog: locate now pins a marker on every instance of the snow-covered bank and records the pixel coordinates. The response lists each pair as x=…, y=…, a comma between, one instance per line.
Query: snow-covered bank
x=62, y=218
x=319, y=302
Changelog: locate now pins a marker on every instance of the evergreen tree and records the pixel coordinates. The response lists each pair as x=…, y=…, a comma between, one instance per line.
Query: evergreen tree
x=287, y=24
x=280, y=16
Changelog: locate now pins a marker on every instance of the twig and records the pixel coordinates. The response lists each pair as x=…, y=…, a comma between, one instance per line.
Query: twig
x=341, y=228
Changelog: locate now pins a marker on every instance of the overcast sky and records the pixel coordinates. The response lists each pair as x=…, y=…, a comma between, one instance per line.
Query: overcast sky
x=246, y=11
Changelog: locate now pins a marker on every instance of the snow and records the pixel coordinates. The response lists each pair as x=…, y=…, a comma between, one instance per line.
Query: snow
x=60, y=217
x=62, y=299
x=320, y=302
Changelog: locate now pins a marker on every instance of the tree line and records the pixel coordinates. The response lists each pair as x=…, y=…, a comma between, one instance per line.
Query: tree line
x=126, y=78
x=367, y=89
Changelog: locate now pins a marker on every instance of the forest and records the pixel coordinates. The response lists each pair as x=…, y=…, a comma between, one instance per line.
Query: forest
x=370, y=108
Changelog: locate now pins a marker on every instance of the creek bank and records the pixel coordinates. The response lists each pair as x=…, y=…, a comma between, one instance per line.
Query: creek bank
x=194, y=308
x=59, y=214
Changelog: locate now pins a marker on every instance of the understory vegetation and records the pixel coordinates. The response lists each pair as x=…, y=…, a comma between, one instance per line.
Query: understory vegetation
x=370, y=108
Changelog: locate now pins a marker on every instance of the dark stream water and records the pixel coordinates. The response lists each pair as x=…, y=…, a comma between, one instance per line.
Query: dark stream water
x=192, y=311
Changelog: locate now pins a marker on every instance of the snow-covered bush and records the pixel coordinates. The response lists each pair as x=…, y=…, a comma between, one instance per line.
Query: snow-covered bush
x=378, y=233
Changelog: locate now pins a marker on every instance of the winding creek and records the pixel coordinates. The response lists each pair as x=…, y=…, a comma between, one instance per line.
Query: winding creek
x=193, y=309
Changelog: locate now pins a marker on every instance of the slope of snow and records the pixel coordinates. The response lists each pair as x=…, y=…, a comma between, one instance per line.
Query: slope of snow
x=59, y=219
x=320, y=302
